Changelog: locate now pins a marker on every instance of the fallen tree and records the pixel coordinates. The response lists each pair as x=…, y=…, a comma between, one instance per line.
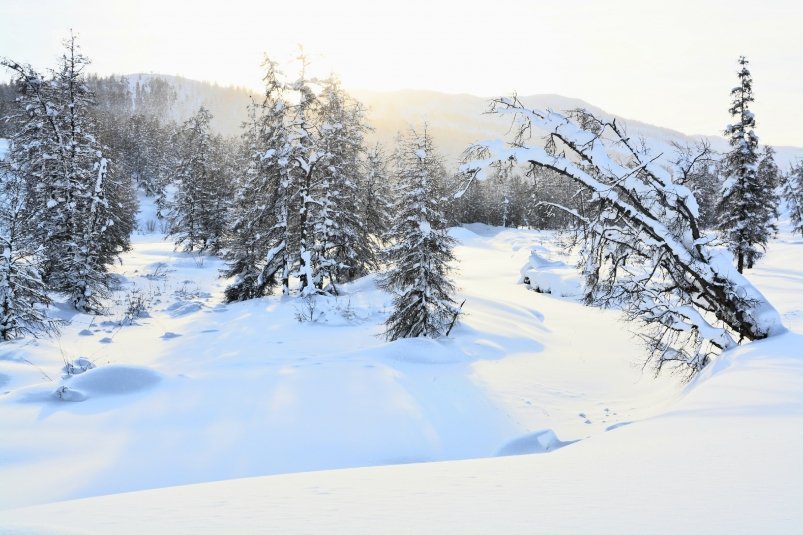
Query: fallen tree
x=643, y=247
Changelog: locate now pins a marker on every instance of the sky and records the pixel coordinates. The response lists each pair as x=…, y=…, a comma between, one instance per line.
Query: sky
x=667, y=63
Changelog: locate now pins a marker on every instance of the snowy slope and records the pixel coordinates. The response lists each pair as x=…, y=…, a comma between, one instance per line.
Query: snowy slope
x=724, y=460
x=200, y=392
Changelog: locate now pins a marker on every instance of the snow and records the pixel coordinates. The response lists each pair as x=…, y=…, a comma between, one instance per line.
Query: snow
x=534, y=416
x=4, y=146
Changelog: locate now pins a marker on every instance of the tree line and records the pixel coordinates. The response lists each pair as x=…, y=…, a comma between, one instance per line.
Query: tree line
x=300, y=204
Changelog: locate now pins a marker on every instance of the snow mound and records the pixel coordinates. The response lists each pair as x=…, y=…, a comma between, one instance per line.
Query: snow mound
x=182, y=308
x=550, y=276
x=538, y=442
x=462, y=234
x=113, y=380
x=77, y=367
x=65, y=393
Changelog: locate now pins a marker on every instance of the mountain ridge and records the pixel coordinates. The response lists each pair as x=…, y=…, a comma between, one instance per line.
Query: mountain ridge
x=455, y=120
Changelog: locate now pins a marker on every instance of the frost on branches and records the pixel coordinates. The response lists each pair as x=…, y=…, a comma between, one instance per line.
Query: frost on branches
x=643, y=245
x=420, y=248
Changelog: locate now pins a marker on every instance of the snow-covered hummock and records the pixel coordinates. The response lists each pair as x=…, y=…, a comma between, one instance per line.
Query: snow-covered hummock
x=244, y=390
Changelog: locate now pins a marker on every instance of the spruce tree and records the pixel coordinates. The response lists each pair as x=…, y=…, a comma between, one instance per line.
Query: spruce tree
x=298, y=212
x=746, y=211
x=421, y=248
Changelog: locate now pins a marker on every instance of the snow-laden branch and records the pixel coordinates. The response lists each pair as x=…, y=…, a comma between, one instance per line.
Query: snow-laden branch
x=645, y=250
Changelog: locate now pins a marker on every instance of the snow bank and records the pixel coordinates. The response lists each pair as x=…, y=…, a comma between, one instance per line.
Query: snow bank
x=114, y=380
x=538, y=442
x=550, y=276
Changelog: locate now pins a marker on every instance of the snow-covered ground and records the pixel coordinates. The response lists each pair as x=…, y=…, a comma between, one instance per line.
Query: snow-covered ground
x=202, y=392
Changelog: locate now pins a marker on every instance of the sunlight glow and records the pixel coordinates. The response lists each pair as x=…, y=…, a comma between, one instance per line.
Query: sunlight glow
x=668, y=64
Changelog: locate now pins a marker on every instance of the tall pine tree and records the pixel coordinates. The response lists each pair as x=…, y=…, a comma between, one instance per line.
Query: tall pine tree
x=84, y=213
x=198, y=211
x=260, y=242
x=420, y=248
x=746, y=211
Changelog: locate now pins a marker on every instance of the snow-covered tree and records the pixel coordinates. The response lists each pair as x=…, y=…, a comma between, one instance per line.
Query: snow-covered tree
x=343, y=250
x=299, y=213
x=84, y=214
x=375, y=197
x=23, y=294
x=420, y=248
x=644, y=249
x=697, y=170
x=748, y=206
x=197, y=213
x=259, y=248
x=793, y=195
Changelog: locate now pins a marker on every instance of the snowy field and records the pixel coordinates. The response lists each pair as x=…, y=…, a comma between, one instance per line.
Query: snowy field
x=242, y=419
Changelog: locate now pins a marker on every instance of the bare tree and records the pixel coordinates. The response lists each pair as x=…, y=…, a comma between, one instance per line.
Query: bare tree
x=644, y=248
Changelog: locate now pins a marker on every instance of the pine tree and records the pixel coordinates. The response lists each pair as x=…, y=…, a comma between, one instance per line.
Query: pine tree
x=303, y=155
x=23, y=294
x=298, y=211
x=84, y=214
x=792, y=191
x=260, y=241
x=746, y=211
x=375, y=198
x=421, y=249
x=197, y=214
x=344, y=250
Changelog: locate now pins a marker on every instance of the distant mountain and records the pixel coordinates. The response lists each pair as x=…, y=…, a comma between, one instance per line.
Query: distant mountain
x=227, y=104
x=454, y=120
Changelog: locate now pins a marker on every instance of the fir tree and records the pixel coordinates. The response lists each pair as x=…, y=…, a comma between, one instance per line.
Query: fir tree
x=748, y=206
x=298, y=211
x=421, y=249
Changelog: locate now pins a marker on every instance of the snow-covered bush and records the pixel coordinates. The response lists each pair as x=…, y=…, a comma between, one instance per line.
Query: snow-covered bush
x=76, y=367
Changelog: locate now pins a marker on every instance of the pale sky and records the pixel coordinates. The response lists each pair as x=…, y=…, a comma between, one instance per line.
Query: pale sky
x=671, y=63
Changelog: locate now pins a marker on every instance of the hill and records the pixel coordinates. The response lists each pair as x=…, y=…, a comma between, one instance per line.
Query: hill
x=455, y=120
